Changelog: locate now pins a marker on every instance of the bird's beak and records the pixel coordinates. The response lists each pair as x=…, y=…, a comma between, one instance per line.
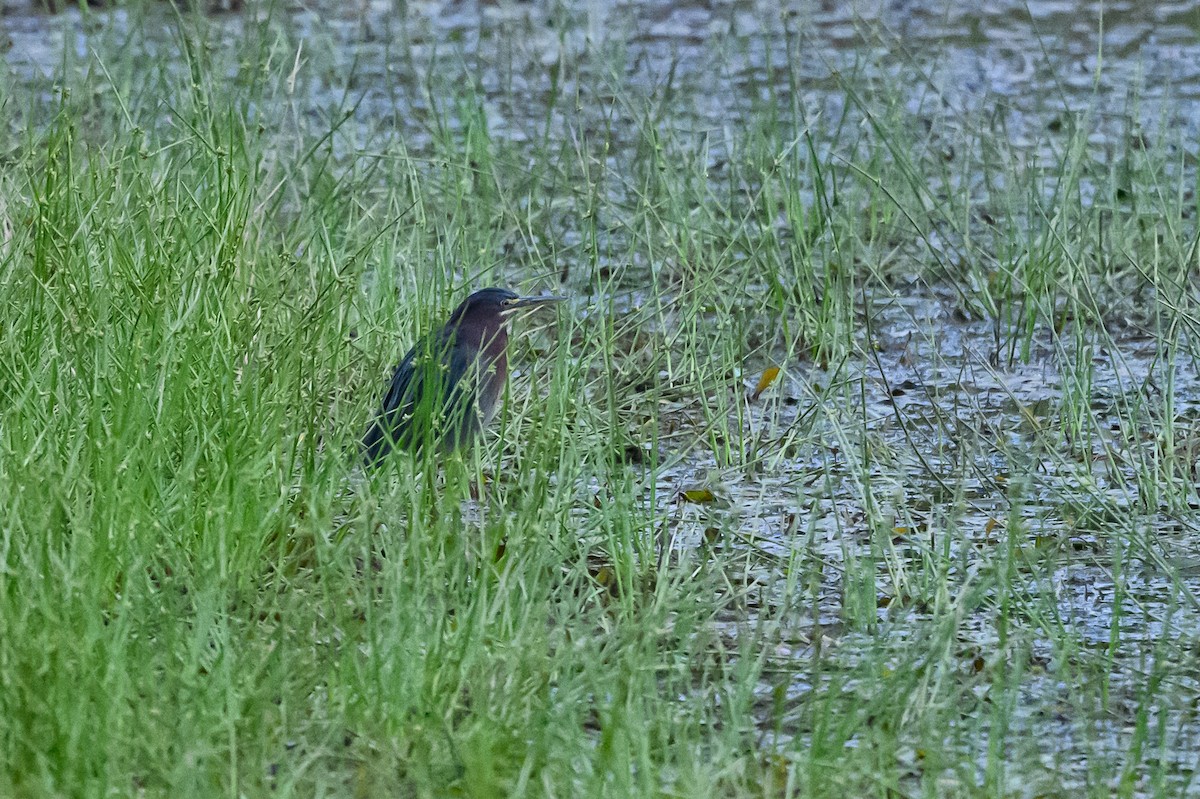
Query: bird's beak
x=526, y=303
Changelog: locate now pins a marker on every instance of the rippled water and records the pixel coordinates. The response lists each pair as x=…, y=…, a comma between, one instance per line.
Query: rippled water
x=1027, y=61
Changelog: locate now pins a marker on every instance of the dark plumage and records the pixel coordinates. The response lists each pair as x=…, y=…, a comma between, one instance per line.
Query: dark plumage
x=445, y=390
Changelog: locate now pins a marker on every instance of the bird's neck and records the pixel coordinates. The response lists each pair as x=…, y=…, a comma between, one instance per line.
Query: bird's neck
x=491, y=339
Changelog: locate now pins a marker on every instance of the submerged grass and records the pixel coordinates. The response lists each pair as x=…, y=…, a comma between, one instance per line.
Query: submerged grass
x=946, y=555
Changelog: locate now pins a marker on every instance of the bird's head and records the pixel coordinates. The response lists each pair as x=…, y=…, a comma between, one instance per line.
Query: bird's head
x=492, y=307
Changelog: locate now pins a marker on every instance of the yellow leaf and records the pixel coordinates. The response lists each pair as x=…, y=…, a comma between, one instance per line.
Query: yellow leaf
x=764, y=382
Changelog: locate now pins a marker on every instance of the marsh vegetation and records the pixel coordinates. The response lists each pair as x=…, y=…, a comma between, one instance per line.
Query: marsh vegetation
x=949, y=549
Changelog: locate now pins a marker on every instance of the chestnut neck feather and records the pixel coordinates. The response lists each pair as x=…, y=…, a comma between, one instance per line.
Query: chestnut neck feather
x=488, y=332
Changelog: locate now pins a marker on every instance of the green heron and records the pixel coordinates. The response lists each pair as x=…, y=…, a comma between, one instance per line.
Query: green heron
x=445, y=390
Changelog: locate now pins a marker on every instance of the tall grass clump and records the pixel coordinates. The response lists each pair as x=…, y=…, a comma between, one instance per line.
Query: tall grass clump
x=201, y=594
x=158, y=415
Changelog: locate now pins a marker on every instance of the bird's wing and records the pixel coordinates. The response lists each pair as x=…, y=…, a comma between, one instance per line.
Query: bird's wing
x=387, y=426
x=407, y=414
x=399, y=397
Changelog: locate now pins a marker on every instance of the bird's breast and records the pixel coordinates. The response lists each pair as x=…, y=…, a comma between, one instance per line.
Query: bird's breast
x=494, y=371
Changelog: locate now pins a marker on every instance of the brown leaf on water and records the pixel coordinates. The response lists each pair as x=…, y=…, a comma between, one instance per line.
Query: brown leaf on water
x=764, y=382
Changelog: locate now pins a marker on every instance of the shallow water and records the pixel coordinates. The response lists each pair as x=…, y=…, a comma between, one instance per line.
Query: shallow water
x=1033, y=63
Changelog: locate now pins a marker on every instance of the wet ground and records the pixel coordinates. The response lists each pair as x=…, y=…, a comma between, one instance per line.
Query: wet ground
x=967, y=441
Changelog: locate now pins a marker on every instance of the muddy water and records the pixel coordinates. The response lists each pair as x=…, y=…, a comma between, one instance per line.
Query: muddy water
x=969, y=468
